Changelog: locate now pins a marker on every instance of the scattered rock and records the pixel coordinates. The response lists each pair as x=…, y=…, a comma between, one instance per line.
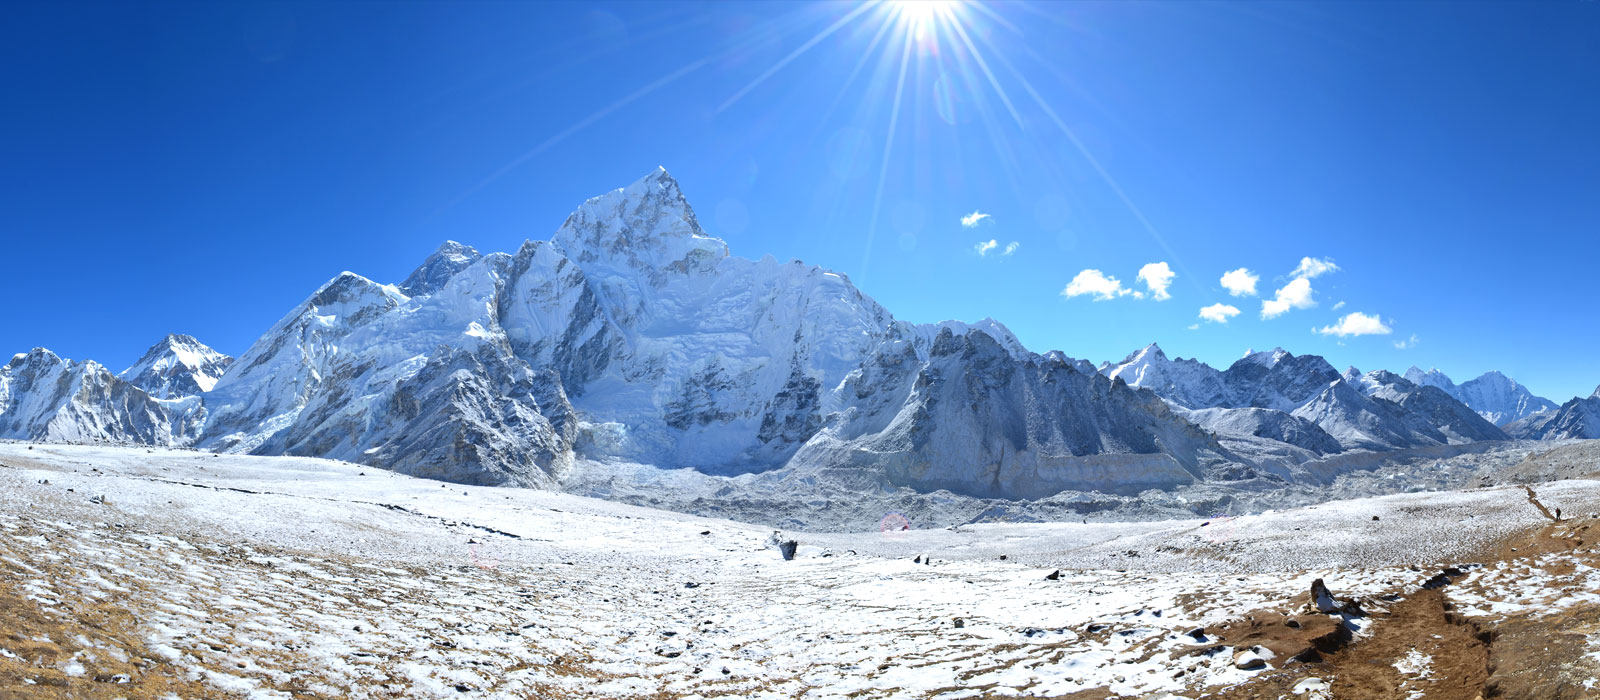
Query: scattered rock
x=787, y=548
x=1002, y=557
x=99, y=500
x=691, y=584
x=960, y=623
x=1374, y=518
x=1053, y=576
x=1248, y=660
x=1198, y=634
x=705, y=532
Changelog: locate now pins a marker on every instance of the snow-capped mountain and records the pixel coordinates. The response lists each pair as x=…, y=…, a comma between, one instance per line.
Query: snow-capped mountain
x=1303, y=402
x=1575, y=419
x=45, y=397
x=1185, y=383
x=633, y=336
x=176, y=367
x=1496, y=397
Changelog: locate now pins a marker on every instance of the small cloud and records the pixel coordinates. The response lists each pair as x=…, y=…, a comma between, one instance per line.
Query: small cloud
x=1157, y=277
x=1240, y=282
x=1312, y=268
x=1338, y=306
x=1407, y=343
x=1096, y=283
x=984, y=247
x=1194, y=326
x=972, y=220
x=1356, y=323
x=1297, y=294
x=1219, y=313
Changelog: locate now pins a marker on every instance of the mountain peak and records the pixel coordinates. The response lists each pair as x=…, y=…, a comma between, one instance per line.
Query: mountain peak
x=177, y=365
x=434, y=272
x=1596, y=394
x=647, y=226
x=1268, y=359
x=36, y=356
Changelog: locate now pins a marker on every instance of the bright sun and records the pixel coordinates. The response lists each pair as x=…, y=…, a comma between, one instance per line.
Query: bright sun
x=917, y=12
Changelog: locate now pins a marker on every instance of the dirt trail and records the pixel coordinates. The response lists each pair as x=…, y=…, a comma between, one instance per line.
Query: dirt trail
x=1534, y=499
x=1422, y=644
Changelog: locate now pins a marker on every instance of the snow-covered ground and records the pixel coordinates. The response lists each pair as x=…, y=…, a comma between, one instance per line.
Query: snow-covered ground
x=202, y=575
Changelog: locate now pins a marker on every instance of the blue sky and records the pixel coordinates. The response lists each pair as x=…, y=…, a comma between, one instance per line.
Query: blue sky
x=202, y=168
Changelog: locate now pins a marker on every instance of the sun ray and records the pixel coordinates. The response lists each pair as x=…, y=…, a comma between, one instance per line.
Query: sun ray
x=883, y=31
x=1094, y=162
x=786, y=60
x=888, y=150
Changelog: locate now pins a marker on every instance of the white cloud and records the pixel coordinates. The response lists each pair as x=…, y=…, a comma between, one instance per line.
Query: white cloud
x=1096, y=283
x=1219, y=313
x=1194, y=326
x=984, y=247
x=972, y=220
x=1406, y=343
x=1240, y=282
x=1312, y=268
x=1157, y=276
x=1356, y=323
x=1297, y=294
x=1338, y=306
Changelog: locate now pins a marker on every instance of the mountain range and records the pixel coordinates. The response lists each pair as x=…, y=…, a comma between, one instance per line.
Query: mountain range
x=633, y=335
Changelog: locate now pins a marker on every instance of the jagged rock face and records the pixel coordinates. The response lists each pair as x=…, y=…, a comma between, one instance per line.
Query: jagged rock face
x=1267, y=424
x=1402, y=415
x=482, y=419
x=1435, y=408
x=979, y=421
x=44, y=397
x=176, y=367
x=1496, y=397
x=1575, y=419
x=553, y=318
x=1285, y=383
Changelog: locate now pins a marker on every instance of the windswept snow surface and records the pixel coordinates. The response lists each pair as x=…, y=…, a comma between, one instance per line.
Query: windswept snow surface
x=252, y=576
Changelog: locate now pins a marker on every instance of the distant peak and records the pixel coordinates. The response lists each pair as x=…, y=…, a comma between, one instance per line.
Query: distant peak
x=1267, y=358
x=444, y=263
x=1596, y=394
x=36, y=356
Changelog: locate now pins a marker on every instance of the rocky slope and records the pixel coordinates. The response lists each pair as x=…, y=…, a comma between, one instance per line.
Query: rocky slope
x=1496, y=397
x=1575, y=419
